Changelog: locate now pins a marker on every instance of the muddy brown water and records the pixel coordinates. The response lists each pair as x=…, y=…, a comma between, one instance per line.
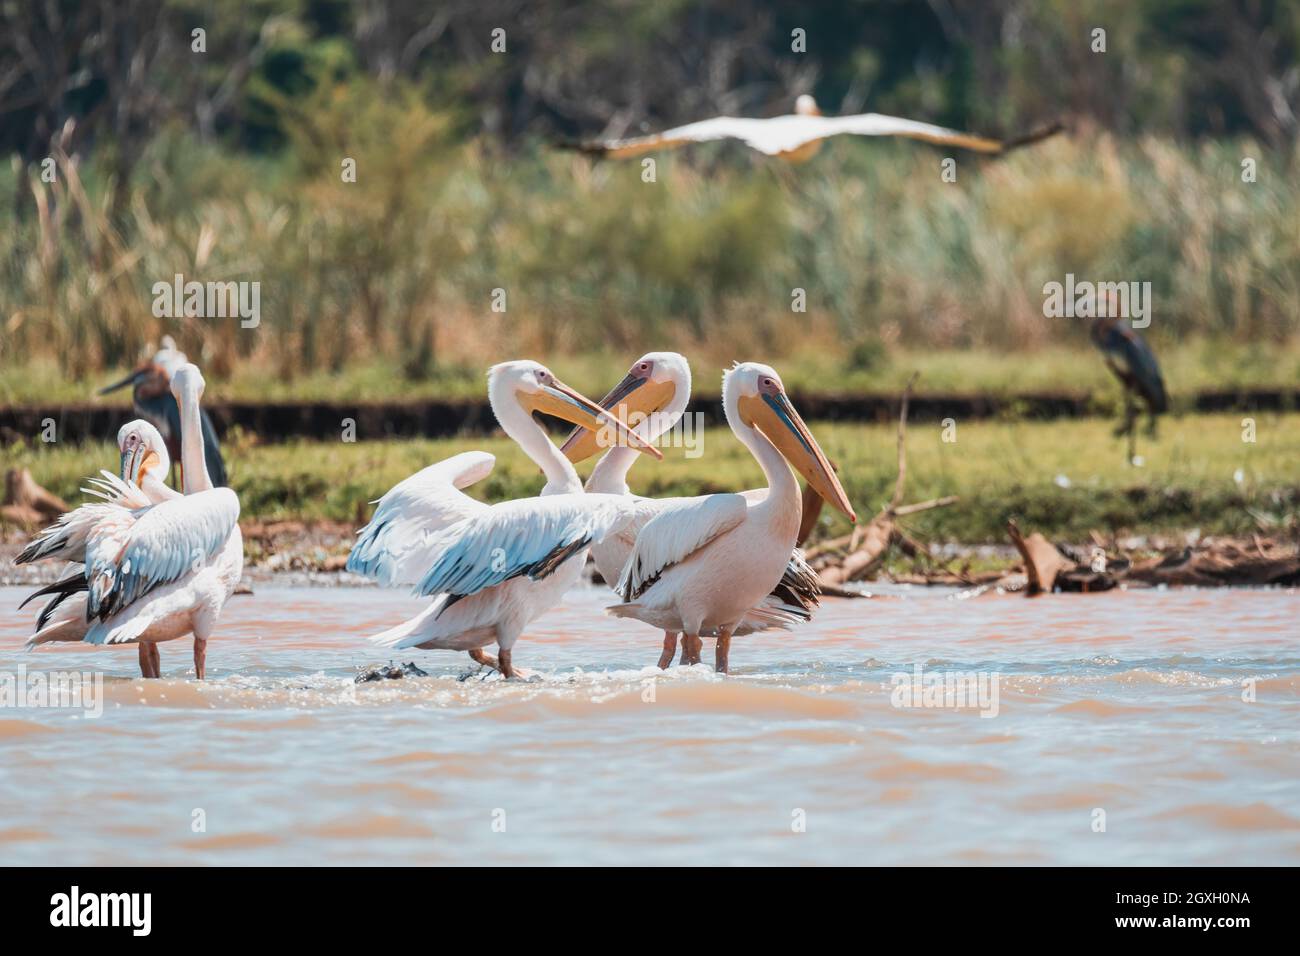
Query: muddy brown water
x=1144, y=727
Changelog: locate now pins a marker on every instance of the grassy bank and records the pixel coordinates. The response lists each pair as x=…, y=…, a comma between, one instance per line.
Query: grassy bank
x=1063, y=478
x=1189, y=367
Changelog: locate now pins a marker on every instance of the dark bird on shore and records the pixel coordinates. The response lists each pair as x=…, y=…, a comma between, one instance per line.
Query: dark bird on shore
x=1131, y=360
x=152, y=397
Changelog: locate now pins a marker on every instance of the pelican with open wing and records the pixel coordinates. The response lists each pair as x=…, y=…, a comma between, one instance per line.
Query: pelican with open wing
x=492, y=569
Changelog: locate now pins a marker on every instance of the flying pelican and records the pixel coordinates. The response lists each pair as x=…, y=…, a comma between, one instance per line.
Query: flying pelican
x=702, y=563
x=155, y=571
x=492, y=568
x=652, y=398
x=798, y=136
x=153, y=401
x=1131, y=360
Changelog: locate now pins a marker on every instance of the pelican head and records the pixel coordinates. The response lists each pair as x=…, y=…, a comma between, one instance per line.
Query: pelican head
x=143, y=451
x=534, y=388
x=187, y=384
x=805, y=105
x=755, y=393
x=656, y=388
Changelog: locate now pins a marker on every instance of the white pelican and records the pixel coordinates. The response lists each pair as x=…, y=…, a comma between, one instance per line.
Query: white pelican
x=798, y=136
x=702, y=563
x=153, y=571
x=651, y=399
x=493, y=568
x=144, y=465
x=153, y=401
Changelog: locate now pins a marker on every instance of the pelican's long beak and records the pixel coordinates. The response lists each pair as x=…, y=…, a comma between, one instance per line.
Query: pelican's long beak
x=776, y=418
x=632, y=401
x=137, y=463
x=563, y=402
x=131, y=379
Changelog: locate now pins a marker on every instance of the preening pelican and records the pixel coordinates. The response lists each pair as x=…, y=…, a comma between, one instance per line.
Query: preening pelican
x=651, y=399
x=798, y=136
x=151, y=396
x=153, y=571
x=492, y=568
x=702, y=563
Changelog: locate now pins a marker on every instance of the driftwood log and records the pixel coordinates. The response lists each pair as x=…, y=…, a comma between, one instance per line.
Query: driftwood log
x=859, y=555
x=26, y=503
x=1212, y=562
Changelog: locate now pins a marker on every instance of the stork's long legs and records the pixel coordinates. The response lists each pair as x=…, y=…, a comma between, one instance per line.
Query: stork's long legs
x=670, y=648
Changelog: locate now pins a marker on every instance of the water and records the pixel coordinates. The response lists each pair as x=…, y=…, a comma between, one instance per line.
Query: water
x=1131, y=703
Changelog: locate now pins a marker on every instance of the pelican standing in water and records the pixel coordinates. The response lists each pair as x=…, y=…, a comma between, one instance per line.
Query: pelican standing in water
x=798, y=136
x=492, y=569
x=143, y=469
x=157, y=571
x=652, y=398
x=702, y=563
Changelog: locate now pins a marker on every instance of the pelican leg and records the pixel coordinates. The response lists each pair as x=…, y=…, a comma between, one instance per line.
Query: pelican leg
x=486, y=660
x=691, y=648
x=200, y=656
x=146, y=660
x=724, y=647
x=508, y=672
x=155, y=659
x=670, y=649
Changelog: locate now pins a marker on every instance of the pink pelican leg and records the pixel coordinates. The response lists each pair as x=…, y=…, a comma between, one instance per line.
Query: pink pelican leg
x=670, y=649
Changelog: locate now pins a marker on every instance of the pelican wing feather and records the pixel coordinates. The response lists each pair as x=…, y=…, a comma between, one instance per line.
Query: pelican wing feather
x=529, y=536
x=779, y=135
x=680, y=528
x=394, y=548
x=132, y=552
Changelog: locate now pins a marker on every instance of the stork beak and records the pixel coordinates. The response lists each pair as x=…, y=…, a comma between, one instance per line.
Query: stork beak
x=776, y=418
x=131, y=379
x=565, y=403
x=632, y=400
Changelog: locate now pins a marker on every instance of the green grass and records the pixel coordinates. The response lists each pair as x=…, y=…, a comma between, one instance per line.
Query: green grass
x=1000, y=470
x=1189, y=367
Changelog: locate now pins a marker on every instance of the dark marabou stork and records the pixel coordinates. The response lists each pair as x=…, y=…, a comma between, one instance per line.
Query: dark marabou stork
x=1134, y=364
x=152, y=397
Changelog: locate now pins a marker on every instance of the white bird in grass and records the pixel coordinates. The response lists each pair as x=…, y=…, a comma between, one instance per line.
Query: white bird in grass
x=798, y=136
x=701, y=564
x=651, y=399
x=492, y=568
x=155, y=571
